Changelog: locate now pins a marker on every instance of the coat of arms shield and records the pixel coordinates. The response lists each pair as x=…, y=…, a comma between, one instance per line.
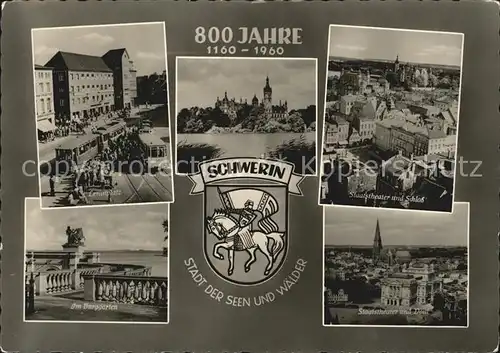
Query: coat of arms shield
x=245, y=230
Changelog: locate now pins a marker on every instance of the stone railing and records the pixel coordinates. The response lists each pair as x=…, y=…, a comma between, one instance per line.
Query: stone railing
x=53, y=282
x=62, y=281
x=126, y=289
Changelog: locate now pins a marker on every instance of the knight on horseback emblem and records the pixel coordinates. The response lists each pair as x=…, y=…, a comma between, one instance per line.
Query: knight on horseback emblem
x=246, y=235
x=245, y=223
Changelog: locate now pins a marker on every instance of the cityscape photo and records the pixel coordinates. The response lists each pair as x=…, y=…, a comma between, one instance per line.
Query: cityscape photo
x=391, y=118
x=391, y=268
x=101, y=115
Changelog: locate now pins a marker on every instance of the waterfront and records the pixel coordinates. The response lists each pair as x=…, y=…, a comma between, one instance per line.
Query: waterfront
x=244, y=144
x=147, y=258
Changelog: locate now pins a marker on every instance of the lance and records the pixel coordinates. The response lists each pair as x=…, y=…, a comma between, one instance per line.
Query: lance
x=225, y=199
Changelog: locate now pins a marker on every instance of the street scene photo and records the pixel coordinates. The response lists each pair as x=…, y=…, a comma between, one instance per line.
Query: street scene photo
x=246, y=107
x=96, y=264
x=394, y=268
x=102, y=115
x=391, y=118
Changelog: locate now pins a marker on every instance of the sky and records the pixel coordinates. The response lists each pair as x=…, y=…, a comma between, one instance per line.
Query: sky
x=383, y=44
x=105, y=228
x=356, y=226
x=145, y=43
x=200, y=81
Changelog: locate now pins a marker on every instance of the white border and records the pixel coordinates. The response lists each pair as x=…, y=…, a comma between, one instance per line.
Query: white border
x=177, y=58
x=458, y=114
x=36, y=121
x=96, y=322
x=399, y=326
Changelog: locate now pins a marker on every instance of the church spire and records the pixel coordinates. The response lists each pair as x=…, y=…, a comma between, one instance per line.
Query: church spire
x=377, y=242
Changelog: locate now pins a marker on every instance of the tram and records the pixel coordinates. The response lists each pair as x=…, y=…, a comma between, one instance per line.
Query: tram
x=78, y=148
x=111, y=132
x=155, y=151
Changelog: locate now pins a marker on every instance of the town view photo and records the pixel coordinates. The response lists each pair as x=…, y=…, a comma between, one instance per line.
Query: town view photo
x=102, y=115
x=394, y=268
x=391, y=118
x=96, y=264
x=246, y=107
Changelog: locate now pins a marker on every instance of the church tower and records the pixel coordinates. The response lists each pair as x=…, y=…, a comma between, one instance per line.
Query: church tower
x=396, y=64
x=377, y=243
x=268, y=97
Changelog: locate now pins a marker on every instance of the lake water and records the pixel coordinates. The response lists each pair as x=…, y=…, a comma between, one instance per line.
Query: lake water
x=154, y=259
x=244, y=145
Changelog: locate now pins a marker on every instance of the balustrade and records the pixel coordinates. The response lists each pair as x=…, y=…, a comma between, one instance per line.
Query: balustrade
x=126, y=289
x=130, y=285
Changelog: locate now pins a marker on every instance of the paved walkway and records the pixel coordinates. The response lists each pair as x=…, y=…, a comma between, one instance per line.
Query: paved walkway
x=127, y=188
x=73, y=308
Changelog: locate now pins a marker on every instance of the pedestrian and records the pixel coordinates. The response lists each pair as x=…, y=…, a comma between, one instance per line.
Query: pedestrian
x=51, y=185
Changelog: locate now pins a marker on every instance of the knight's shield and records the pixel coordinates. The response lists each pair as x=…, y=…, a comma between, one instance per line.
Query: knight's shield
x=255, y=238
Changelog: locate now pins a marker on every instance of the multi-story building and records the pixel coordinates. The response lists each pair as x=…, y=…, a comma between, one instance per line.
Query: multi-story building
x=398, y=290
x=410, y=139
x=331, y=137
x=83, y=85
x=347, y=103
x=124, y=77
x=428, y=283
x=44, y=100
x=343, y=127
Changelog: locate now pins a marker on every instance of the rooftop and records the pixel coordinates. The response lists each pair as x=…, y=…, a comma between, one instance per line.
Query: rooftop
x=78, y=62
x=41, y=67
x=76, y=141
x=151, y=140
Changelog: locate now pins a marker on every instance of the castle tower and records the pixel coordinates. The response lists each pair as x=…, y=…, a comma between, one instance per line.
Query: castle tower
x=377, y=243
x=268, y=97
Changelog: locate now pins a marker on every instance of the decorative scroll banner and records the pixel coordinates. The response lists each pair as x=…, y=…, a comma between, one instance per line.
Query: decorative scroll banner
x=254, y=168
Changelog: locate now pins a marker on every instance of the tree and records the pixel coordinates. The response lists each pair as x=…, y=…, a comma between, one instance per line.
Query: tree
x=309, y=115
x=182, y=120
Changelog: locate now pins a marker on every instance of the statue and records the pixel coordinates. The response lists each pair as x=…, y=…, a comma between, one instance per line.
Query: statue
x=75, y=237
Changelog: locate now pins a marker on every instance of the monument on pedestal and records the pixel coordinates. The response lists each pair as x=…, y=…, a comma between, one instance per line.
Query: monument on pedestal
x=74, y=246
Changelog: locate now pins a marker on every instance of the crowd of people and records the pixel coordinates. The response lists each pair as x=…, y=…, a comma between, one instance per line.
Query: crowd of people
x=66, y=127
x=97, y=173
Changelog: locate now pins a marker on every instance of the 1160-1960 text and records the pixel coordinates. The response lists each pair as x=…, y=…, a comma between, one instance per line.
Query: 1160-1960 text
x=259, y=50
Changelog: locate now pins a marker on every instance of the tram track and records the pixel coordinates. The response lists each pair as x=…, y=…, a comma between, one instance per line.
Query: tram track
x=152, y=189
x=134, y=189
x=162, y=185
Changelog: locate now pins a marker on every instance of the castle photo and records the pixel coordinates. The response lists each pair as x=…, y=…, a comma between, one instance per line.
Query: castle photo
x=265, y=108
x=388, y=268
x=230, y=107
x=391, y=118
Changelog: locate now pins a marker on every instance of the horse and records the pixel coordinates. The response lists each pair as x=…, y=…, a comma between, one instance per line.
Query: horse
x=224, y=226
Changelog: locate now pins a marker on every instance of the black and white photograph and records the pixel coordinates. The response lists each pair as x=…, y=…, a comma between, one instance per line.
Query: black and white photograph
x=246, y=107
x=102, y=115
x=391, y=118
x=394, y=268
x=96, y=264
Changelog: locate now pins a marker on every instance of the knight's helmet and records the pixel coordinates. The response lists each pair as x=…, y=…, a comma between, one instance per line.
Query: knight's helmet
x=247, y=215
